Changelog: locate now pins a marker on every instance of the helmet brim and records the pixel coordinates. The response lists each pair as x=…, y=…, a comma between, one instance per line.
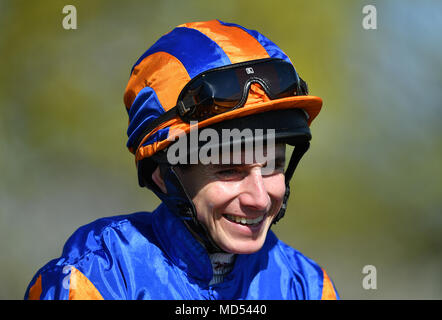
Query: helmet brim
x=310, y=104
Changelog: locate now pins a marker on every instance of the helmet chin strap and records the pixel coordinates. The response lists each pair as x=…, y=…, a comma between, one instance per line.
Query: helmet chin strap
x=297, y=154
x=180, y=203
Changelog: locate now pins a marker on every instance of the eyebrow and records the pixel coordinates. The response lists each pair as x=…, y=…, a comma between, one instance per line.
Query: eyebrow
x=278, y=160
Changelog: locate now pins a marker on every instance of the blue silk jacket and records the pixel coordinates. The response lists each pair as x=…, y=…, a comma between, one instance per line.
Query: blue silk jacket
x=154, y=256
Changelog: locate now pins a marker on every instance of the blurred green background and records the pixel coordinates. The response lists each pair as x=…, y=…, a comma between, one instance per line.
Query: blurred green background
x=367, y=193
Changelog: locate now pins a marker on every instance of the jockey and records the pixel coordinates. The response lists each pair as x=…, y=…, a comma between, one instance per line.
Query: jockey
x=212, y=107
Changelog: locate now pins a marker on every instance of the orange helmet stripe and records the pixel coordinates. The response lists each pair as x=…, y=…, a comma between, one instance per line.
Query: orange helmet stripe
x=154, y=72
x=237, y=44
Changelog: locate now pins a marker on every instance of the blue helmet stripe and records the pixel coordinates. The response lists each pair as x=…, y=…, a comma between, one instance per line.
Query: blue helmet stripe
x=196, y=51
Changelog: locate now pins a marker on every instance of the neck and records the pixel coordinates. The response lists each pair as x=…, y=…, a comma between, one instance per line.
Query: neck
x=222, y=264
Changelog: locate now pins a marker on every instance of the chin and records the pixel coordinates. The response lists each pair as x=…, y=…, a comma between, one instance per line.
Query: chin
x=242, y=240
x=244, y=246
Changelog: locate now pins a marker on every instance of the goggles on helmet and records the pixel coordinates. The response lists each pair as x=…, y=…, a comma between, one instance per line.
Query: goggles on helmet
x=226, y=88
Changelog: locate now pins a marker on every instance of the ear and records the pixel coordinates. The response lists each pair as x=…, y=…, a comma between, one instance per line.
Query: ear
x=156, y=177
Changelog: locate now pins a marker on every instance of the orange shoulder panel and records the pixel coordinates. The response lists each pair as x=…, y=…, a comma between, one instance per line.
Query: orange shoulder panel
x=35, y=290
x=81, y=288
x=328, y=292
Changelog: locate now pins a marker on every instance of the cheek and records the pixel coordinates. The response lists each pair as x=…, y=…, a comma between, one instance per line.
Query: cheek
x=213, y=198
x=275, y=186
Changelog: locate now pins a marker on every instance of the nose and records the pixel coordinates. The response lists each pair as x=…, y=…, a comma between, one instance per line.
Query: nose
x=254, y=194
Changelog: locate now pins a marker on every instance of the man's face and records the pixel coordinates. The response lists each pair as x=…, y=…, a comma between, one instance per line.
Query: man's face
x=237, y=203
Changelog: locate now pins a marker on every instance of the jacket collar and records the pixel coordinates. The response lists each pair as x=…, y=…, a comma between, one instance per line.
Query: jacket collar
x=190, y=256
x=180, y=246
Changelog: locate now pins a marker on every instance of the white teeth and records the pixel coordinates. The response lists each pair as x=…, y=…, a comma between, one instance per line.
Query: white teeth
x=243, y=220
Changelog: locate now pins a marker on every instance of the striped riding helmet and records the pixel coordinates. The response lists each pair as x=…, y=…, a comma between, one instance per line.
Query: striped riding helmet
x=190, y=49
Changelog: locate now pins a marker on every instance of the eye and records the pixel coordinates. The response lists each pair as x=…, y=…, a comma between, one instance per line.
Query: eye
x=229, y=174
x=280, y=165
x=273, y=167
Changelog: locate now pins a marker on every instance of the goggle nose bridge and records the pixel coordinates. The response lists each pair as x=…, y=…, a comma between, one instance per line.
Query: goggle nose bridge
x=247, y=86
x=265, y=87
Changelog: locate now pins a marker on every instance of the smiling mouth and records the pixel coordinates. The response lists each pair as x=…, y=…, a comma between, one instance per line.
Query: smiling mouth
x=244, y=221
